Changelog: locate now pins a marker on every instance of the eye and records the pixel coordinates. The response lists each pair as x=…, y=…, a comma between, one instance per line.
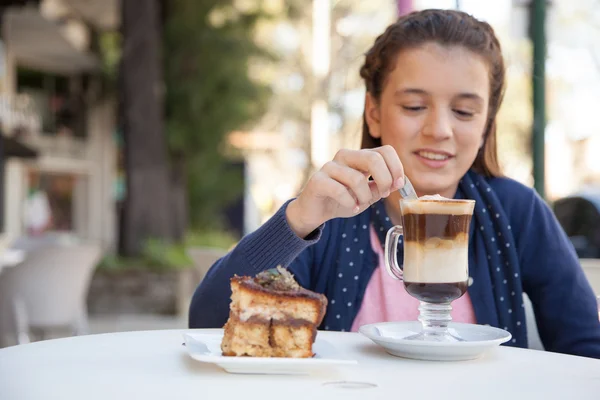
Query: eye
x=464, y=114
x=414, y=109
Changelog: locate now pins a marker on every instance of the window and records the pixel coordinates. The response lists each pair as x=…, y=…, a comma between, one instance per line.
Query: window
x=53, y=97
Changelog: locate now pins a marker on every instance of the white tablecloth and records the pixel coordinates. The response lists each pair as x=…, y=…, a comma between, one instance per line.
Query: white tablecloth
x=155, y=365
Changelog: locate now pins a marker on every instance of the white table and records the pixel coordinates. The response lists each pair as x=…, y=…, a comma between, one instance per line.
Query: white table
x=155, y=365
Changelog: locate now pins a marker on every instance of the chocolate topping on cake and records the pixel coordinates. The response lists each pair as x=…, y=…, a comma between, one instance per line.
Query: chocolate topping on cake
x=277, y=279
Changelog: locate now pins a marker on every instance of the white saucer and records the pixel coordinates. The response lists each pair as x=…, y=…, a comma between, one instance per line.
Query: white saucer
x=206, y=347
x=478, y=340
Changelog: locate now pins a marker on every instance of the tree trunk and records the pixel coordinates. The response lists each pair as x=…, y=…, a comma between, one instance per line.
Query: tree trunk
x=179, y=197
x=147, y=206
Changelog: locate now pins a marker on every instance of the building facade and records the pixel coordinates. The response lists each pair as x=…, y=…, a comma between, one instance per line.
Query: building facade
x=51, y=100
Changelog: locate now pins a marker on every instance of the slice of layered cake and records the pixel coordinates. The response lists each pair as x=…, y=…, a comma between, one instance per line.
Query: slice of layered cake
x=271, y=315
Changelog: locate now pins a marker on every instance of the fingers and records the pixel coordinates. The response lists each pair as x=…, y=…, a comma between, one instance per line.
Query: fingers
x=335, y=190
x=354, y=180
x=382, y=164
x=394, y=165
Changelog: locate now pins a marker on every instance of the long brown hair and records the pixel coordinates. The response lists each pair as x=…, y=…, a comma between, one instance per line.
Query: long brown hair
x=447, y=28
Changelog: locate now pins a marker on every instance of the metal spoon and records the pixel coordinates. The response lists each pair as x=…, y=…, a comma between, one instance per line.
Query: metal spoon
x=408, y=191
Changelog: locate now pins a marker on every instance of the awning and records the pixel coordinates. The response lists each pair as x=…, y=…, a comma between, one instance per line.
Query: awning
x=103, y=14
x=38, y=43
x=14, y=148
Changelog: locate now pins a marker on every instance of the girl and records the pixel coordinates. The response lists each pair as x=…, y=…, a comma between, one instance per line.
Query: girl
x=434, y=82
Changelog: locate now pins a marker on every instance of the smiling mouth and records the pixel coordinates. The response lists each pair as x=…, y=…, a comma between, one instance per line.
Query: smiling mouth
x=433, y=156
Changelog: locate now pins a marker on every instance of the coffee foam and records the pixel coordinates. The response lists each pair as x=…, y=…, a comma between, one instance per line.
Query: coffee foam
x=437, y=205
x=436, y=261
x=433, y=197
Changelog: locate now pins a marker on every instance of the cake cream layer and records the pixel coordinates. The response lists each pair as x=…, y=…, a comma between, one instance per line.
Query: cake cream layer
x=250, y=300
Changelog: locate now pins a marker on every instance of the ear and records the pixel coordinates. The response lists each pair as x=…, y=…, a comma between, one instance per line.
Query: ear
x=373, y=116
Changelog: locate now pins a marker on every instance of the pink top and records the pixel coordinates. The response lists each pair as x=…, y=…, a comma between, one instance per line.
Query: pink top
x=386, y=299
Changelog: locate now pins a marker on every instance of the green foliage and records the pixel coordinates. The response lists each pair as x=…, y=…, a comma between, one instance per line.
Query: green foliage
x=213, y=239
x=160, y=255
x=115, y=262
x=209, y=94
x=109, y=45
x=211, y=186
x=156, y=254
x=108, y=49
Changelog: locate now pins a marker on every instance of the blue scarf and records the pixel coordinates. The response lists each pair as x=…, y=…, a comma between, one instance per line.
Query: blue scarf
x=492, y=257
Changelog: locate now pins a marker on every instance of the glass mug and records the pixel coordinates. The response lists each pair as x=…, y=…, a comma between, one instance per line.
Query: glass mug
x=436, y=259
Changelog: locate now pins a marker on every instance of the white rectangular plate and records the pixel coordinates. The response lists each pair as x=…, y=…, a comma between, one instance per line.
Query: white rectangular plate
x=206, y=347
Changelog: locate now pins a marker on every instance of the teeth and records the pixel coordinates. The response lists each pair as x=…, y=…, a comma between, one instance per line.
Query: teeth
x=433, y=156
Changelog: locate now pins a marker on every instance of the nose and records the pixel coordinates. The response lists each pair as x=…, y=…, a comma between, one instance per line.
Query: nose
x=437, y=125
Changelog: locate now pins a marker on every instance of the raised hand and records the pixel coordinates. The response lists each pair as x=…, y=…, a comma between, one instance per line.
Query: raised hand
x=342, y=187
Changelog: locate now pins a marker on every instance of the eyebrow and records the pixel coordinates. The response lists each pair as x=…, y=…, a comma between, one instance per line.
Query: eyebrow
x=465, y=95
x=400, y=92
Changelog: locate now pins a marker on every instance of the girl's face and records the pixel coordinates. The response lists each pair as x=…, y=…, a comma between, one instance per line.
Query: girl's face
x=433, y=111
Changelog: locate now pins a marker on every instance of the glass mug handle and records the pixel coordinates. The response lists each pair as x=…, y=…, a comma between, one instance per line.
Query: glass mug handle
x=391, y=251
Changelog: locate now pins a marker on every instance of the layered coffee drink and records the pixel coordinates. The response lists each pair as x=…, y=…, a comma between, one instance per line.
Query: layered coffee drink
x=436, y=239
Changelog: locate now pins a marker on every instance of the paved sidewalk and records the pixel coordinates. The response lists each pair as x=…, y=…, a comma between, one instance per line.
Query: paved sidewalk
x=135, y=322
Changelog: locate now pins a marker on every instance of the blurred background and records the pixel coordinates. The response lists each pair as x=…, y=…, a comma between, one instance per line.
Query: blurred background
x=140, y=139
